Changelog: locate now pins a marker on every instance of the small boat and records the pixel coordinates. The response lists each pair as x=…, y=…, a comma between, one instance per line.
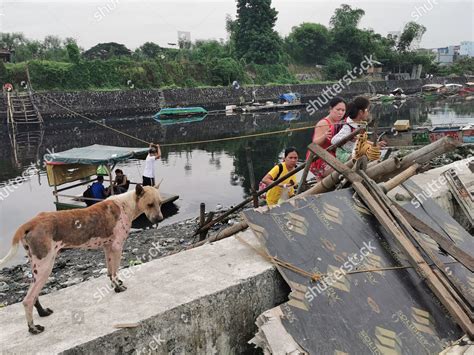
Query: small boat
x=451, y=89
x=286, y=101
x=446, y=131
x=79, y=166
x=468, y=134
x=431, y=91
x=179, y=112
x=468, y=89
x=420, y=136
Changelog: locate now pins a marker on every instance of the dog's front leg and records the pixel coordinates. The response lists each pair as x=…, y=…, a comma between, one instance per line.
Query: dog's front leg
x=113, y=254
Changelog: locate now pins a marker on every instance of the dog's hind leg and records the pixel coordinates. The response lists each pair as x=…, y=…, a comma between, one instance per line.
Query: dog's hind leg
x=41, y=270
x=41, y=311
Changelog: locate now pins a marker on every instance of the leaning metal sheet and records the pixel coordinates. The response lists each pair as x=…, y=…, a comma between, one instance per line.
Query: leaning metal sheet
x=378, y=312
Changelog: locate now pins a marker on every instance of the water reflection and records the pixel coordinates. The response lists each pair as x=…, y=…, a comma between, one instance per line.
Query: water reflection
x=214, y=173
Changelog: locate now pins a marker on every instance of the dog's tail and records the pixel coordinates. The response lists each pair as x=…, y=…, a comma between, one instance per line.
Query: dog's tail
x=20, y=233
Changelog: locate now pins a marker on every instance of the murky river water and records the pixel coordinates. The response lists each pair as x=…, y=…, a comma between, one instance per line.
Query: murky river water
x=215, y=173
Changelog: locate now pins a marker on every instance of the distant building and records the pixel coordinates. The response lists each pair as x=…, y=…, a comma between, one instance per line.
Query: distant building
x=6, y=55
x=447, y=55
x=467, y=49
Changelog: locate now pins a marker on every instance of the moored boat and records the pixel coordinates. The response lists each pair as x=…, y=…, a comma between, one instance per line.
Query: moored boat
x=468, y=89
x=452, y=131
x=431, y=91
x=468, y=134
x=78, y=167
x=180, y=112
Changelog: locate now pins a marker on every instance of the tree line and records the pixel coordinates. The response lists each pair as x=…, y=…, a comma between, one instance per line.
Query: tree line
x=254, y=54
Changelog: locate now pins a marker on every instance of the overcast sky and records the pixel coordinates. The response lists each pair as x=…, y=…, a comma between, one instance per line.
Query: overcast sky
x=133, y=22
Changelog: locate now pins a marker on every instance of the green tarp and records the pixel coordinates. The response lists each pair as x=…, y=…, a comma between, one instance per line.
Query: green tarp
x=95, y=154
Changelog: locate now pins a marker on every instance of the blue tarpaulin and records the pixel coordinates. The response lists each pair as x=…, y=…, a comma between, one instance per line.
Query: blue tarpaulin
x=289, y=97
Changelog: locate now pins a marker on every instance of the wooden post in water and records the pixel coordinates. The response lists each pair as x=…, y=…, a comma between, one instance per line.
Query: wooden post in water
x=202, y=220
x=253, y=188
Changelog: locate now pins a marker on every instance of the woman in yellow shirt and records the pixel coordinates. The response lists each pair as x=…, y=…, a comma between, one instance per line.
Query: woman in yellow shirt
x=288, y=164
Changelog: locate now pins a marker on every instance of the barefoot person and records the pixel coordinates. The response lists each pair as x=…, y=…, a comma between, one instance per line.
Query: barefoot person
x=288, y=164
x=149, y=173
x=323, y=134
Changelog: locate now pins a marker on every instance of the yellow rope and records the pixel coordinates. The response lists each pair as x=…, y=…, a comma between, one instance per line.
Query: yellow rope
x=239, y=137
x=313, y=276
x=176, y=144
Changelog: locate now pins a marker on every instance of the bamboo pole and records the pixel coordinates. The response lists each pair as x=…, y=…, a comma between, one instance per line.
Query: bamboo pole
x=391, y=166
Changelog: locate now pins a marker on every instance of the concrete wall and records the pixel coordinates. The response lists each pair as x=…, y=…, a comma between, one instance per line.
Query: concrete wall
x=147, y=102
x=202, y=301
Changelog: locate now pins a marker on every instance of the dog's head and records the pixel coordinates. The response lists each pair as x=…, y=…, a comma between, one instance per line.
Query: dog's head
x=149, y=202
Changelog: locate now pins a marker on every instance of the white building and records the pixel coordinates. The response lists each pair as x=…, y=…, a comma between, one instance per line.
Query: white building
x=467, y=49
x=447, y=55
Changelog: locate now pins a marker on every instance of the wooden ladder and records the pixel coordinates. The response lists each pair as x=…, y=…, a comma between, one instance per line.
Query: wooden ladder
x=21, y=109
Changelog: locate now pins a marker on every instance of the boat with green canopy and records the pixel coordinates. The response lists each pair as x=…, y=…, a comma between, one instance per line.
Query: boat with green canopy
x=179, y=112
x=82, y=164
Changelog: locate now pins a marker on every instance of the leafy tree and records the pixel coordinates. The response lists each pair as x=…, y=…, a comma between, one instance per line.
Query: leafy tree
x=3, y=73
x=28, y=51
x=73, y=53
x=346, y=16
x=225, y=70
x=347, y=40
x=106, y=51
x=337, y=66
x=150, y=50
x=309, y=43
x=412, y=31
x=207, y=50
x=255, y=39
x=12, y=40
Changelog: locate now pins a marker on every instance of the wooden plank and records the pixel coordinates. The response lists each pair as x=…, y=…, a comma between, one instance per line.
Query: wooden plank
x=452, y=249
x=467, y=300
x=461, y=194
x=413, y=255
x=417, y=261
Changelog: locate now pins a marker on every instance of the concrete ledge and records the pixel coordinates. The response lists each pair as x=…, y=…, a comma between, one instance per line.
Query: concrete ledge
x=201, y=301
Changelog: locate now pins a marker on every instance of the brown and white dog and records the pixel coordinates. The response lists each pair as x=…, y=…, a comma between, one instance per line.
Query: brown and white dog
x=104, y=225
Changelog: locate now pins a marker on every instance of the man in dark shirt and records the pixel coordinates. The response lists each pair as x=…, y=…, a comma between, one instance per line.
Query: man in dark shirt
x=98, y=189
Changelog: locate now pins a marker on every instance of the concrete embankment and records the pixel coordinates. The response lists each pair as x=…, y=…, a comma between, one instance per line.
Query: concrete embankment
x=146, y=102
x=202, y=301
